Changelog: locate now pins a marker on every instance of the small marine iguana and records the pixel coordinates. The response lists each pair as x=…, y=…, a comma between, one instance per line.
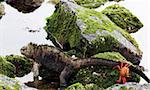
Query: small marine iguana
x=55, y=60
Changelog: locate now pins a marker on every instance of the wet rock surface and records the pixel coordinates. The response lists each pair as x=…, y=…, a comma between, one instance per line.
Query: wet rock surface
x=123, y=18
x=130, y=86
x=25, y=6
x=1, y=10
x=127, y=86
x=7, y=83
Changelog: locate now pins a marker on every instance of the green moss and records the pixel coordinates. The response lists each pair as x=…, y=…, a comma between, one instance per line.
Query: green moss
x=123, y=18
x=123, y=88
x=115, y=56
x=7, y=83
x=22, y=64
x=80, y=86
x=90, y=3
x=93, y=3
x=100, y=22
x=62, y=25
x=110, y=56
x=103, y=80
x=95, y=21
x=17, y=86
x=105, y=41
x=6, y=68
x=92, y=87
x=76, y=86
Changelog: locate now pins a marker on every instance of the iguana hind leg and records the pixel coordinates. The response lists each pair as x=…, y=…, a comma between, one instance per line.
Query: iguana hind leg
x=65, y=74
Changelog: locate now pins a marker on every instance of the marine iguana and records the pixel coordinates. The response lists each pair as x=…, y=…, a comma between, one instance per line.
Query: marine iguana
x=56, y=60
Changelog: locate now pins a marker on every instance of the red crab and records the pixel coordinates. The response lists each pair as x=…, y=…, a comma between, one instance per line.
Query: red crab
x=123, y=69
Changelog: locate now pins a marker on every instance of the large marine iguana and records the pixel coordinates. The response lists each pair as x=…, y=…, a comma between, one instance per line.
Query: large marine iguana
x=55, y=60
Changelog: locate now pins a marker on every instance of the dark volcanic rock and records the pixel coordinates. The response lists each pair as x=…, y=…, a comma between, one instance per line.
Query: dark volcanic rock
x=87, y=32
x=1, y=10
x=25, y=6
x=123, y=18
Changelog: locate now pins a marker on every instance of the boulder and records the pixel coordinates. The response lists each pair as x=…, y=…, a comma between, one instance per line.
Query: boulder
x=123, y=18
x=25, y=6
x=93, y=3
x=1, y=10
x=7, y=68
x=87, y=32
x=22, y=64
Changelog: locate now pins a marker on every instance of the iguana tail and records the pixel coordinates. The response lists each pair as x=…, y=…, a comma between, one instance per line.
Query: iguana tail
x=103, y=62
x=139, y=72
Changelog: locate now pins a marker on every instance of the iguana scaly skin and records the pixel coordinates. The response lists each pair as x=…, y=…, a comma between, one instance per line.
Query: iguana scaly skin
x=55, y=60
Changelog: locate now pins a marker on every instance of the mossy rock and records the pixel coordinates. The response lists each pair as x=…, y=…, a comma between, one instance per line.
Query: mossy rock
x=1, y=10
x=80, y=86
x=116, y=56
x=22, y=64
x=7, y=68
x=123, y=18
x=7, y=83
x=130, y=86
x=93, y=3
x=103, y=76
x=88, y=32
x=76, y=86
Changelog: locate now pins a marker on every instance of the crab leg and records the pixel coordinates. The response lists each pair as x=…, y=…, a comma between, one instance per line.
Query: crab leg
x=117, y=67
x=126, y=65
x=119, y=80
x=121, y=65
x=124, y=80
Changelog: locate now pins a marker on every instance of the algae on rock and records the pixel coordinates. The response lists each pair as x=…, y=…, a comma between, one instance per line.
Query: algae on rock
x=7, y=83
x=123, y=18
x=7, y=68
x=79, y=86
x=88, y=32
x=22, y=64
x=93, y=3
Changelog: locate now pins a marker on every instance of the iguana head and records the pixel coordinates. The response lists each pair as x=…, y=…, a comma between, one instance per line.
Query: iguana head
x=29, y=50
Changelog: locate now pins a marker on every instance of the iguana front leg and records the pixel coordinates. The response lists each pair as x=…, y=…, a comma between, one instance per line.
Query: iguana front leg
x=65, y=75
x=36, y=67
